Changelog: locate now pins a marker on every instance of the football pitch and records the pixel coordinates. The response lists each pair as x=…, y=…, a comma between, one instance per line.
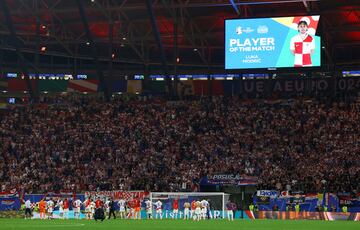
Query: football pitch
x=118, y=224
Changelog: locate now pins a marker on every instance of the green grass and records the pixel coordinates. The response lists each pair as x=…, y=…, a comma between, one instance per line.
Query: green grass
x=8, y=224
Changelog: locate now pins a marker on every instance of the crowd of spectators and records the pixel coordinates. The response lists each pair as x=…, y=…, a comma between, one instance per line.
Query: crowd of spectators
x=158, y=145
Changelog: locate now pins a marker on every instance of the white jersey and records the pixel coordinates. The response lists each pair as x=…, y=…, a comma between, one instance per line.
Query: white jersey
x=198, y=208
x=61, y=206
x=148, y=204
x=28, y=204
x=158, y=205
x=77, y=203
x=121, y=204
x=107, y=206
x=50, y=206
x=92, y=207
x=302, y=46
x=204, y=204
x=87, y=206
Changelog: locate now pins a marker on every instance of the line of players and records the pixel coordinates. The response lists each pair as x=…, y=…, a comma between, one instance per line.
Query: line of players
x=46, y=208
x=196, y=210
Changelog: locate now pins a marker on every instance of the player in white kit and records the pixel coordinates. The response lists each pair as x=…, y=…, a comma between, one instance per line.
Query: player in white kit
x=158, y=207
x=204, y=207
x=50, y=208
x=148, y=204
x=77, y=206
x=61, y=208
x=197, y=212
x=88, y=208
x=92, y=209
x=187, y=210
x=122, y=204
x=107, y=208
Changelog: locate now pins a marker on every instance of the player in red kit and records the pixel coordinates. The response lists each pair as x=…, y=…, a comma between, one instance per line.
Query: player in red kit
x=98, y=204
x=193, y=207
x=137, y=207
x=66, y=208
x=99, y=212
x=131, y=209
x=175, y=208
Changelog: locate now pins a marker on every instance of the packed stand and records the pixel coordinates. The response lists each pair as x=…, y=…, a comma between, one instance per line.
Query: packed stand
x=156, y=145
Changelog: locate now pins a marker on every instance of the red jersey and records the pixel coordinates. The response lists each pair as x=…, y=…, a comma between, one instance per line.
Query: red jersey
x=66, y=204
x=98, y=203
x=131, y=204
x=302, y=48
x=137, y=203
x=193, y=205
x=87, y=203
x=176, y=204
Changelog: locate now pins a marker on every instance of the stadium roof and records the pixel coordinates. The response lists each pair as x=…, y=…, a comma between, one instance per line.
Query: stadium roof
x=58, y=29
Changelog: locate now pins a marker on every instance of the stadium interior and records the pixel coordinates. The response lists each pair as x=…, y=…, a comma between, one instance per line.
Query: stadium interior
x=105, y=101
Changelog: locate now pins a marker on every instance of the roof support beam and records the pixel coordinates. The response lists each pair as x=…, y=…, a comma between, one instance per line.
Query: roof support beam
x=159, y=43
x=94, y=50
x=235, y=7
x=307, y=7
x=24, y=69
x=110, y=16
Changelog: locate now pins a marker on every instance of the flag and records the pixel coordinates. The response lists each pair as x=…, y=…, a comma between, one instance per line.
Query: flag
x=3, y=84
x=53, y=85
x=134, y=86
x=83, y=86
x=20, y=85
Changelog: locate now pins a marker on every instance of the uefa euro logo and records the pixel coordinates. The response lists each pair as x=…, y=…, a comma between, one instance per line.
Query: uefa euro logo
x=262, y=29
x=239, y=30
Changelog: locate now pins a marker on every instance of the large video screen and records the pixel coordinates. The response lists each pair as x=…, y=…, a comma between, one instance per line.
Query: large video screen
x=272, y=42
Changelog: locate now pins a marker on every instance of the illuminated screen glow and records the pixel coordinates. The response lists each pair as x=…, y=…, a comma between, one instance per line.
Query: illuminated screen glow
x=272, y=42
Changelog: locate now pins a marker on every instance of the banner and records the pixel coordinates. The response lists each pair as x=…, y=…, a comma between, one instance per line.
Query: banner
x=53, y=85
x=263, y=200
x=9, y=201
x=228, y=179
x=34, y=198
x=83, y=86
x=345, y=199
x=267, y=193
x=116, y=195
x=283, y=88
x=331, y=216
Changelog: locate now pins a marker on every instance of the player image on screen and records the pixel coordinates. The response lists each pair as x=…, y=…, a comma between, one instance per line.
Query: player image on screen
x=302, y=46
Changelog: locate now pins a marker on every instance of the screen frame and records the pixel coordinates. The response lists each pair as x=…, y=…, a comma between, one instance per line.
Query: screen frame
x=276, y=69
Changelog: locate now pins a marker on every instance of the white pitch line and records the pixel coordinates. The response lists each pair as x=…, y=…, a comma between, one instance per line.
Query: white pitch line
x=54, y=226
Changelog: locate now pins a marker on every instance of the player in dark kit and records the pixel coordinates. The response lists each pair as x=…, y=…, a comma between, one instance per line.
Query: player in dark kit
x=112, y=208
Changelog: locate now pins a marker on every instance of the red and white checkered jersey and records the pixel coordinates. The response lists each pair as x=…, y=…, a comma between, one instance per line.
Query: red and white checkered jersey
x=302, y=49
